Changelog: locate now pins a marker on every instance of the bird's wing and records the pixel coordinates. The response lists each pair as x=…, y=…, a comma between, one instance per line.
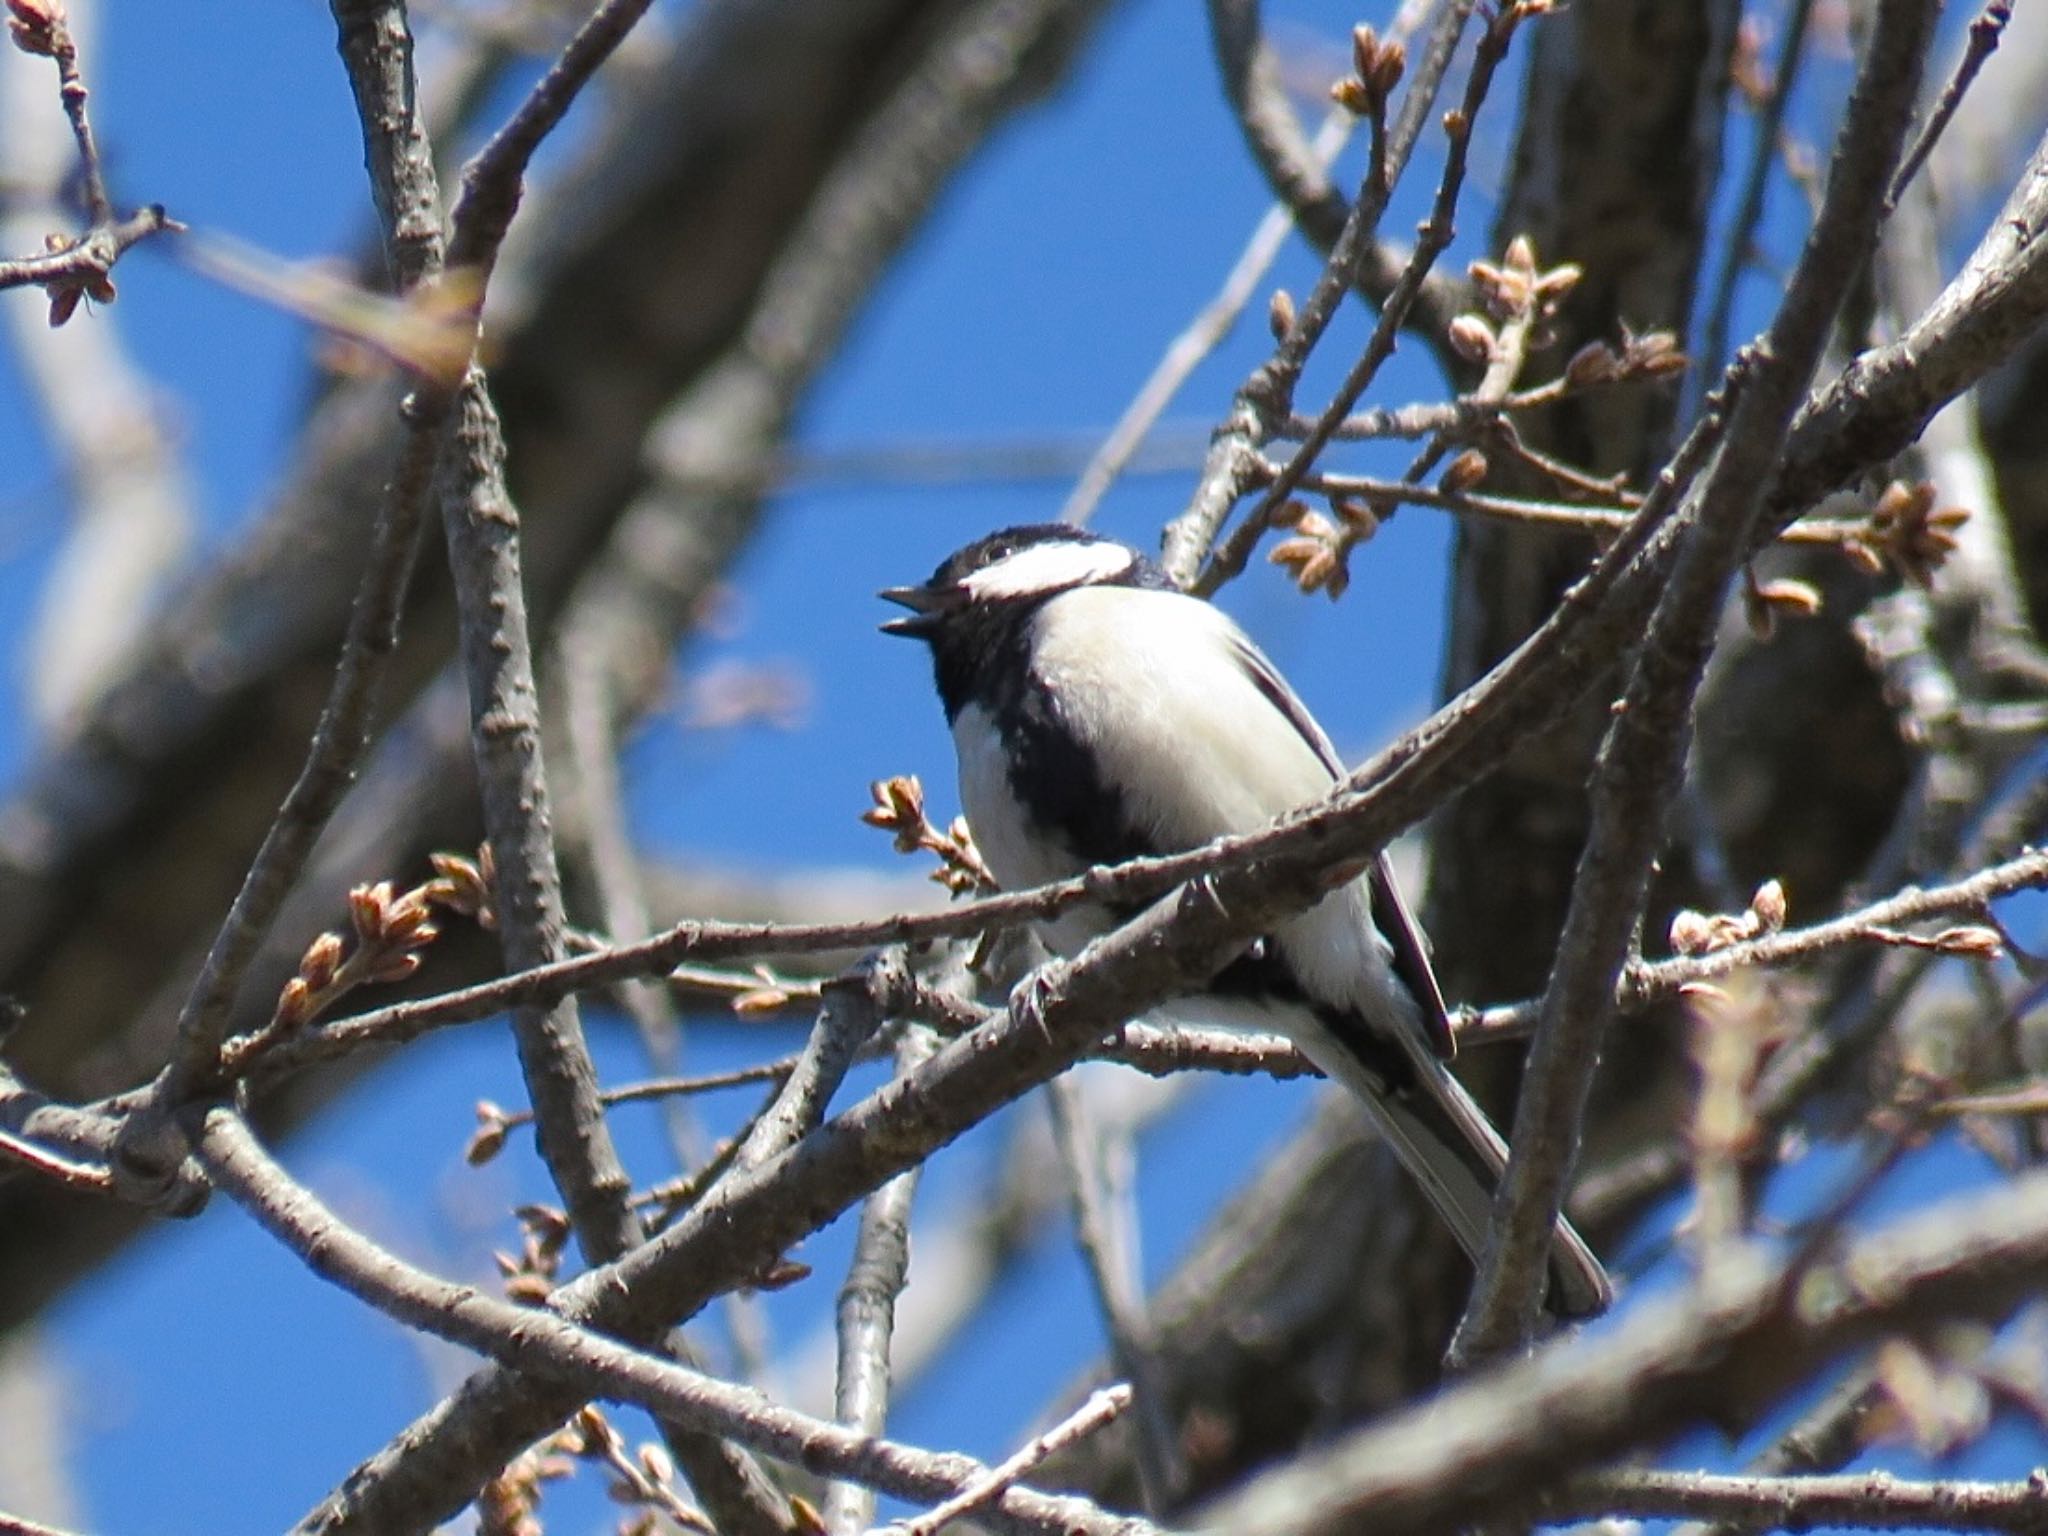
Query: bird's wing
x=1270, y=683
x=1410, y=951
x=1411, y=955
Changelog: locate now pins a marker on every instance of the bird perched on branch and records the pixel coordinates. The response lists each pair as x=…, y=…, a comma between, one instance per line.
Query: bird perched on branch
x=1100, y=714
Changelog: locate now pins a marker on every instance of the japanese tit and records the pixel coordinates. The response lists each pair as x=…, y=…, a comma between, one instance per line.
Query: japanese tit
x=1101, y=714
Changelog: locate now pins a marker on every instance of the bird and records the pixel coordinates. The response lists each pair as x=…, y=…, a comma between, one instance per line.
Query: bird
x=1100, y=714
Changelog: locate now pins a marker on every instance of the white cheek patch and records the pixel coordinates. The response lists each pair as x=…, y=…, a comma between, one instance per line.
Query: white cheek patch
x=1049, y=568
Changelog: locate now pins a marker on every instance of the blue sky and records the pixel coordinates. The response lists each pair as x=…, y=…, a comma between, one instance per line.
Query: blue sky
x=1034, y=304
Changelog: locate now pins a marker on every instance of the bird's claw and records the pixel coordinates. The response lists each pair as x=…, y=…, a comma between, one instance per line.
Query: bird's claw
x=1031, y=999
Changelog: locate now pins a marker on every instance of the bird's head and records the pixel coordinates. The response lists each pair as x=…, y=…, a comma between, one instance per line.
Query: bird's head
x=1017, y=567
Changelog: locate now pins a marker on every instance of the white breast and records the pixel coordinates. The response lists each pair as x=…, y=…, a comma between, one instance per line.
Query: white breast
x=1198, y=752
x=1196, y=748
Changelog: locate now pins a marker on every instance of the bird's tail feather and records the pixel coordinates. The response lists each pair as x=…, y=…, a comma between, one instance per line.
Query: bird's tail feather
x=1452, y=1150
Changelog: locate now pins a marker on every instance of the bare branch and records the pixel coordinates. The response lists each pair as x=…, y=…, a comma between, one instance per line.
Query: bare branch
x=89, y=260
x=535, y=1339
x=1720, y=1351
x=757, y=1210
x=51, y=1165
x=80, y=268
x=1185, y=353
x=867, y=1316
x=84, y=1139
x=483, y=549
x=131, y=514
x=1740, y=250
x=847, y=1019
x=1098, y=1410
x=481, y=527
x=1985, y=32
x=1267, y=396
x=1825, y=1438
x=1645, y=982
x=1436, y=233
x=591, y=718
x=1105, y=1225
x=1864, y=1500
x=492, y=183
x=1135, y=881
x=1298, y=174
x=1810, y=1060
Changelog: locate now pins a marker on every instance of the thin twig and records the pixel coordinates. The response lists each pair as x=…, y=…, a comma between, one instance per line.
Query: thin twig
x=1825, y=1438
x=753, y=993
x=1604, y=521
x=1267, y=395
x=111, y=430
x=493, y=182
x=1435, y=236
x=1640, y=985
x=969, y=1249
x=866, y=1316
x=1646, y=982
x=1201, y=337
x=677, y=1087
x=1298, y=176
x=1986, y=29
x=332, y=758
x=1740, y=249
x=71, y=86
x=848, y=1018
x=402, y=172
x=1465, y=417
x=591, y=718
x=636, y=1481
x=92, y=257
x=1102, y=1406
x=1105, y=1226
x=1850, y=1024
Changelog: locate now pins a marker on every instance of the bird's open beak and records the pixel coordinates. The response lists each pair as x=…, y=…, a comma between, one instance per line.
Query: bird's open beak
x=927, y=606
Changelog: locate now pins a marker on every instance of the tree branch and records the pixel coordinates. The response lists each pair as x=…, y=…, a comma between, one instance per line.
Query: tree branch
x=1873, y=1501
x=401, y=171
x=1720, y=1352
x=535, y=1339
x=1643, y=756
x=1298, y=175
x=867, y=1316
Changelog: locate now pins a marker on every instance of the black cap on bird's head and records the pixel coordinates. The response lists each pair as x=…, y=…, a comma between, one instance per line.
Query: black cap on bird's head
x=1018, y=565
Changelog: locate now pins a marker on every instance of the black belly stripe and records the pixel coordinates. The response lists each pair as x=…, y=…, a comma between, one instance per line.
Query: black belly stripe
x=1059, y=785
